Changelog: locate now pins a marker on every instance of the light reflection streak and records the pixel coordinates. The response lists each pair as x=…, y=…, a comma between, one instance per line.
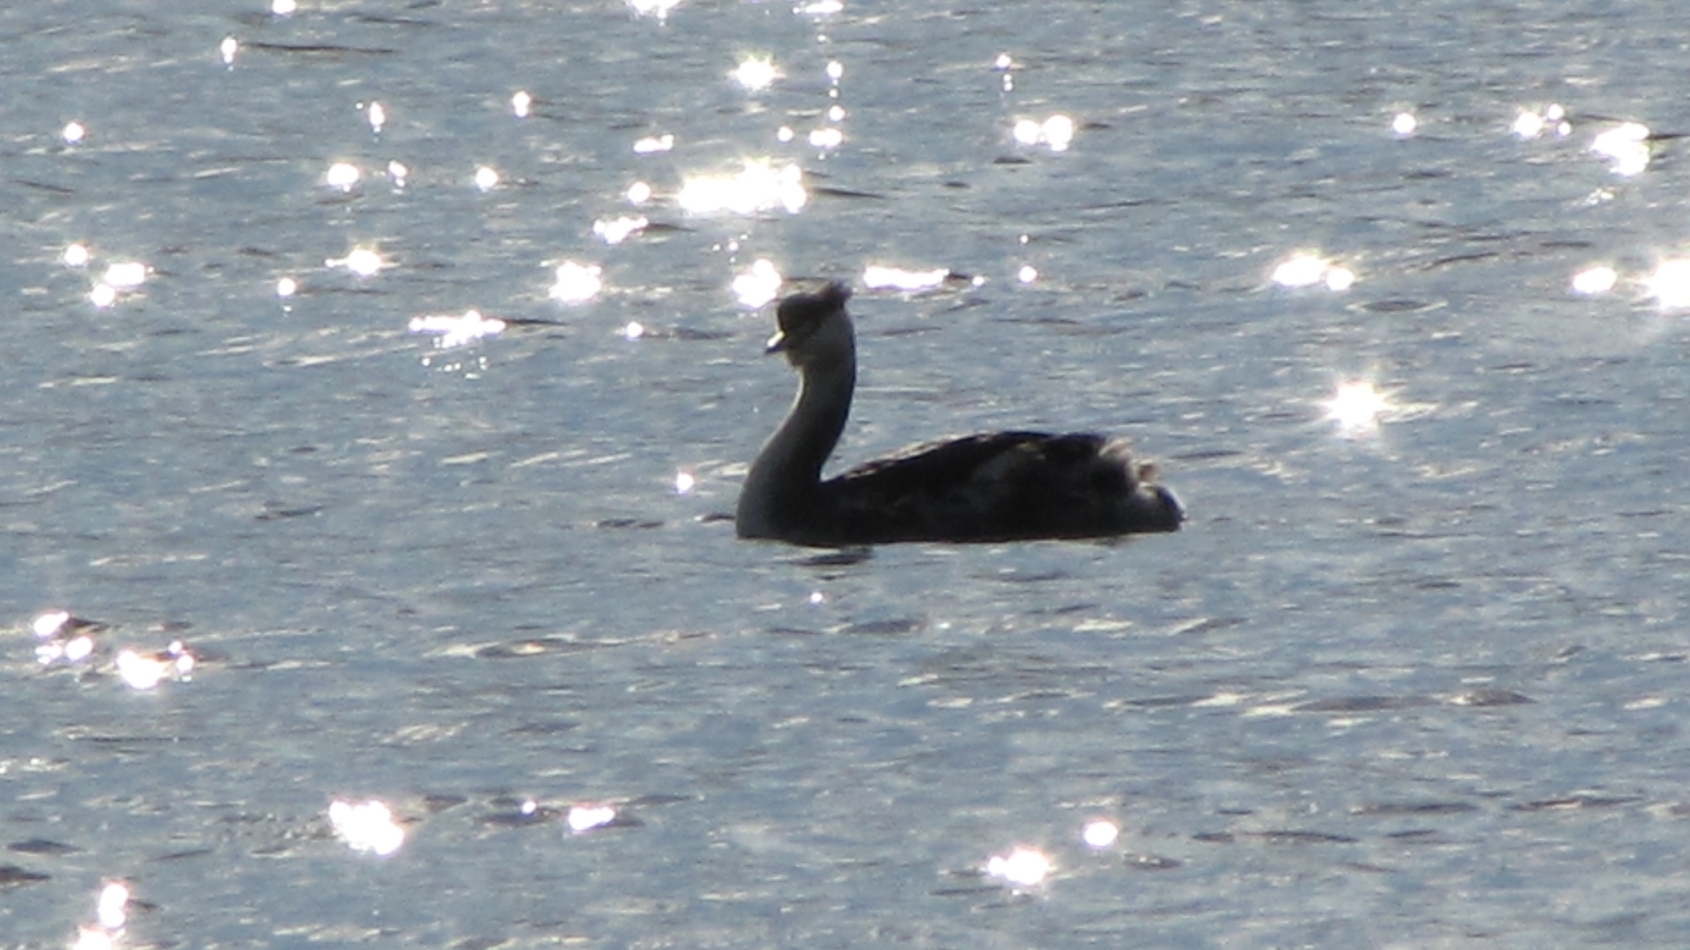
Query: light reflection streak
x=759, y=285
x=1669, y=283
x=656, y=9
x=342, y=176
x=361, y=261
x=653, y=144
x=1099, y=833
x=758, y=186
x=112, y=909
x=1003, y=64
x=111, y=916
x=1021, y=867
x=454, y=331
x=366, y=826
x=144, y=671
x=619, y=229
x=1530, y=123
x=126, y=275
x=584, y=818
x=119, y=278
x=1305, y=269
x=1626, y=147
x=1593, y=281
x=576, y=283
x=756, y=73
x=1055, y=132
x=62, y=638
x=877, y=277
x=1357, y=407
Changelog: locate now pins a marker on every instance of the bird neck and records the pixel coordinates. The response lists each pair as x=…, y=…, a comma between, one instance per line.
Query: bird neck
x=789, y=468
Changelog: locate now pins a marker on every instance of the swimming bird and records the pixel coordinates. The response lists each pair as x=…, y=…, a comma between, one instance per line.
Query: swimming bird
x=997, y=486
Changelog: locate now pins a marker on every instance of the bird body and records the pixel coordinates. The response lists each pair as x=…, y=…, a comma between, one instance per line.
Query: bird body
x=1000, y=486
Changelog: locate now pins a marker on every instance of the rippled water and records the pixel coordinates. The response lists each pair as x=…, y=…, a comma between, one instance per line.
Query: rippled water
x=1408, y=679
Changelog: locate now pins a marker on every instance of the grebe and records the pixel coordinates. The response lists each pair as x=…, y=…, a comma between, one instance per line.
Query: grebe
x=999, y=486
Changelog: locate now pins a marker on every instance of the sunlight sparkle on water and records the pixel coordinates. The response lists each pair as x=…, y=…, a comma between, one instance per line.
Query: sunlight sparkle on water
x=126, y=275
x=451, y=331
x=73, y=132
x=342, y=175
x=486, y=178
x=521, y=103
x=283, y=7
x=377, y=117
x=1530, y=123
x=1669, y=283
x=362, y=261
x=1056, y=132
x=653, y=144
x=112, y=909
x=819, y=8
x=1356, y=407
x=759, y=186
x=75, y=255
x=366, y=826
x=1404, y=124
x=619, y=229
x=1626, y=147
x=633, y=330
x=118, y=278
x=1027, y=274
x=657, y=9
x=759, y=285
x=638, y=193
x=1595, y=280
x=584, y=818
x=286, y=287
x=49, y=623
x=826, y=138
x=876, y=277
x=756, y=73
x=1099, y=833
x=63, y=638
x=575, y=283
x=143, y=671
x=1021, y=867
x=684, y=482
x=227, y=49
x=1304, y=269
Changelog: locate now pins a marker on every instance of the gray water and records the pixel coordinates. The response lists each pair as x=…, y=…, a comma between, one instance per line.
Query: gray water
x=1415, y=683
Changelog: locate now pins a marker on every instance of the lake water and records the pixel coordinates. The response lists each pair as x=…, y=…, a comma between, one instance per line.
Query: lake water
x=1412, y=675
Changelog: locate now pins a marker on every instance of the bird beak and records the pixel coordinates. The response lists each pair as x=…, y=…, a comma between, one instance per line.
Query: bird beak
x=776, y=344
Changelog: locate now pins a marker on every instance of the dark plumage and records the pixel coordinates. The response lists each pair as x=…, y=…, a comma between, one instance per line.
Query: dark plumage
x=1001, y=486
